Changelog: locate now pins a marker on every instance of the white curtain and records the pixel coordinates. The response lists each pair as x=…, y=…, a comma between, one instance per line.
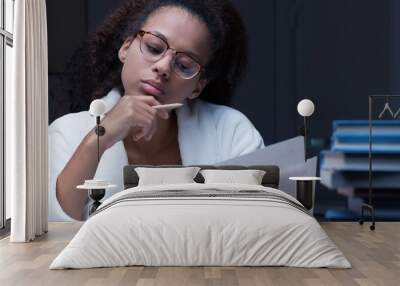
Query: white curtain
x=27, y=122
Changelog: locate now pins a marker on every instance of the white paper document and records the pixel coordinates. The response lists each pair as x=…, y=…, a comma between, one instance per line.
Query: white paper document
x=288, y=155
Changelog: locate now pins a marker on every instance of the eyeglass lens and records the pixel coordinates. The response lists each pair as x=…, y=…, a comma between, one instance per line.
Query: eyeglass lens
x=154, y=48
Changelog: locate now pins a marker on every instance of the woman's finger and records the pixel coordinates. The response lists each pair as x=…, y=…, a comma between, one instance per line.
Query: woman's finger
x=142, y=132
x=152, y=130
x=144, y=119
x=163, y=113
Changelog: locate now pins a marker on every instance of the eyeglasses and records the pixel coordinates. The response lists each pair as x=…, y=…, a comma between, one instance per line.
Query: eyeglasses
x=154, y=48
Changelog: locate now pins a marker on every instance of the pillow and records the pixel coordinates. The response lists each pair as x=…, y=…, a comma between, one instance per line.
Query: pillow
x=161, y=176
x=248, y=177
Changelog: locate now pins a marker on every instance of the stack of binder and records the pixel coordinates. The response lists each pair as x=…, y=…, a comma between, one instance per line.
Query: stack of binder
x=345, y=166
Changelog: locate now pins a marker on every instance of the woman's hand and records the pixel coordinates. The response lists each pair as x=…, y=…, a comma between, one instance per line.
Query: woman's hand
x=132, y=113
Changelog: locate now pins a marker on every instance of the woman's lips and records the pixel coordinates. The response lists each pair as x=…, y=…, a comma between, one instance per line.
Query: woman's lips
x=149, y=89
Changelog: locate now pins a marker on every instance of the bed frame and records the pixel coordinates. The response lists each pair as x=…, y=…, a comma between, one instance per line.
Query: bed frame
x=270, y=179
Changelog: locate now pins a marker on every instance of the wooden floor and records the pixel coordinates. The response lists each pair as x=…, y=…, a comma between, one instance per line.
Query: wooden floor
x=375, y=257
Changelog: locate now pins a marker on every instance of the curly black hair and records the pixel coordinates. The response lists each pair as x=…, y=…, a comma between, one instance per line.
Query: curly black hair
x=95, y=68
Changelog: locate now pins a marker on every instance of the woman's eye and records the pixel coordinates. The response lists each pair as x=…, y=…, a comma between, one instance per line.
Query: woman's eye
x=182, y=66
x=154, y=50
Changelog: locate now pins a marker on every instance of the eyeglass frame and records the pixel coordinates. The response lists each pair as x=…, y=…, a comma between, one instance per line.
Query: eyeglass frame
x=141, y=33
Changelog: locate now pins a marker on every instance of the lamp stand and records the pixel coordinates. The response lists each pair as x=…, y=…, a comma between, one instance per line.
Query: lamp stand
x=368, y=206
x=100, y=131
x=305, y=138
x=97, y=194
x=304, y=193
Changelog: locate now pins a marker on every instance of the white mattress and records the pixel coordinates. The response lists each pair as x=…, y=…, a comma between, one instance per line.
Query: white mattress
x=183, y=231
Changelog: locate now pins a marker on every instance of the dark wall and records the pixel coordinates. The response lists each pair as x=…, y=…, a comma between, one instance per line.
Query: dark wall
x=98, y=10
x=255, y=96
x=334, y=52
x=395, y=46
x=344, y=54
x=66, y=28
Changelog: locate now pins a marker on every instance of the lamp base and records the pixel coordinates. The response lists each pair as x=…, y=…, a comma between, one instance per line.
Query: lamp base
x=372, y=211
x=304, y=193
x=96, y=195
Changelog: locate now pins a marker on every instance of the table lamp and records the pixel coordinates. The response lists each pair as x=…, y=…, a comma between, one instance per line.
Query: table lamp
x=98, y=108
x=96, y=188
x=305, y=108
x=305, y=190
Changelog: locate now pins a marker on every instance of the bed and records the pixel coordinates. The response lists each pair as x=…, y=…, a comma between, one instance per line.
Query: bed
x=201, y=224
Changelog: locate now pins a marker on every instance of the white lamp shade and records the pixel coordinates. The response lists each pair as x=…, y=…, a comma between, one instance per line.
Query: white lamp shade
x=97, y=107
x=305, y=107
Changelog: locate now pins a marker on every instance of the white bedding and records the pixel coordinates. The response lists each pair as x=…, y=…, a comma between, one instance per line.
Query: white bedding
x=182, y=231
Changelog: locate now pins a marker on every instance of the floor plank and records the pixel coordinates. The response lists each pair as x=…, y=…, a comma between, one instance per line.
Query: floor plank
x=374, y=255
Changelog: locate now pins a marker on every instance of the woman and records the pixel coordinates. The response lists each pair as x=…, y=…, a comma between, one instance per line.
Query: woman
x=149, y=53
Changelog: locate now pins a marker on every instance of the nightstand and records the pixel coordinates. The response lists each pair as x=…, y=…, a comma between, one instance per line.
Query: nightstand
x=305, y=191
x=96, y=193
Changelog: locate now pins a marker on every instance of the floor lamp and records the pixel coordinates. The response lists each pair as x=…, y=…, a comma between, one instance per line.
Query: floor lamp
x=305, y=191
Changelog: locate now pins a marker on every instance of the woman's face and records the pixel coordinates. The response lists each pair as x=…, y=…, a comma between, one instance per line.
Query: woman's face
x=184, y=33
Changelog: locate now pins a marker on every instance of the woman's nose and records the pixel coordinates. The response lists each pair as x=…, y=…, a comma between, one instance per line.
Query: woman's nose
x=163, y=66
